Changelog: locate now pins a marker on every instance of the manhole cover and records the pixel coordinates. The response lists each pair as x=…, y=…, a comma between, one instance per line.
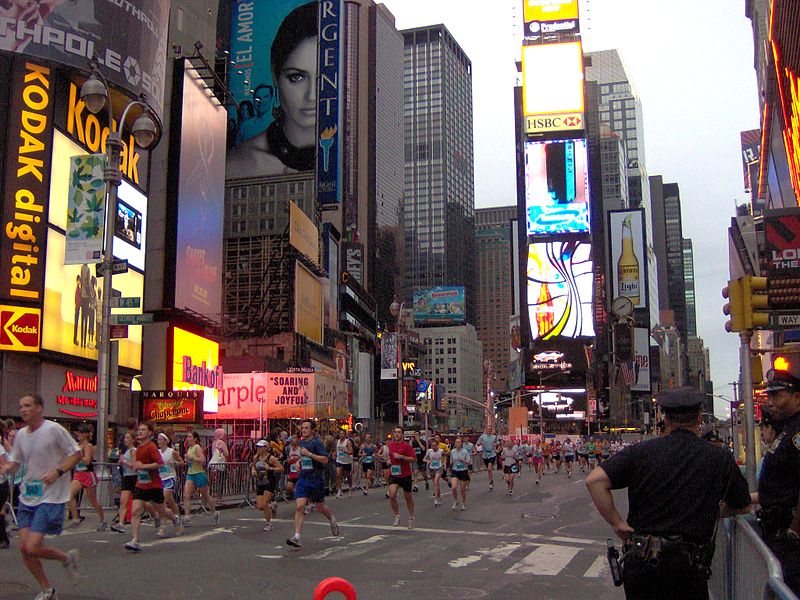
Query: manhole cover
x=12, y=587
x=441, y=592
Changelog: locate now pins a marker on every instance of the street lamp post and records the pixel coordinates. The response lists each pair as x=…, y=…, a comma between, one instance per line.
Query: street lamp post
x=397, y=311
x=94, y=94
x=487, y=365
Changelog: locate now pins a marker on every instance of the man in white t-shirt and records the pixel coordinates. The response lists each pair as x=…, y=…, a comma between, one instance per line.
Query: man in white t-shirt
x=48, y=452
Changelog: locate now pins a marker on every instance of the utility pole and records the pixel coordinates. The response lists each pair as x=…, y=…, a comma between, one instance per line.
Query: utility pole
x=734, y=413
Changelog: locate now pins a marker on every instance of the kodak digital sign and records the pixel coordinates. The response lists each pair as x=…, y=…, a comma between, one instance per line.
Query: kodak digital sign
x=20, y=328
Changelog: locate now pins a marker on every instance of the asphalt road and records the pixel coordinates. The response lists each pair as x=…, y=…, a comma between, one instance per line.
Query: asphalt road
x=544, y=542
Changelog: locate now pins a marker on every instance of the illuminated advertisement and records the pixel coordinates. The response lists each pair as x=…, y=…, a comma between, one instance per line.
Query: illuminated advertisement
x=303, y=234
x=641, y=357
x=560, y=289
x=307, y=304
x=281, y=396
x=388, y=355
x=85, y=209
x=200, y=197
x=329, y=117
x=129, y=39
x=445, y=305
x=172, y=406
x=20, y=328
x=195, y=366
x=274, y=78
x=27, y=179
x=73, y=304
x=74, y=392
x=556, y=187
x=545, y=20
x=628, y=256
x=552, y=87
x=568, y=403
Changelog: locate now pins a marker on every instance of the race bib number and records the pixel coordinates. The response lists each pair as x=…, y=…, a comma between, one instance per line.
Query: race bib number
x=163, y=469
x=417, y=450
x=293, y=468
x=459, y=466
x=306, y=464
x=368, y=460
x=341, y=456
x=435, y=465
x=143, y=477
x=34, y=488
x=395, y=470
x=514, y=468
x=81, y=467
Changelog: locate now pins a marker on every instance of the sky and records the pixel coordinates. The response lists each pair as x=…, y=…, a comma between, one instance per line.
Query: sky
x=692, y=65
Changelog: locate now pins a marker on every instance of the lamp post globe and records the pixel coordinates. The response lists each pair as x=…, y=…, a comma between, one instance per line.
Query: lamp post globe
x=394, y=308
x=94, y=94
x=144, y=131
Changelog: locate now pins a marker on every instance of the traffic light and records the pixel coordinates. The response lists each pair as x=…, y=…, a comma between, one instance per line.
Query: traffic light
x=756, y=369
x=780, y=363
x=755, y=303
x=735, y=306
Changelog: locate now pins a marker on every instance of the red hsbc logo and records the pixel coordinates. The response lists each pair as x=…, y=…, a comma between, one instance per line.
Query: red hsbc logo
x=20, y=328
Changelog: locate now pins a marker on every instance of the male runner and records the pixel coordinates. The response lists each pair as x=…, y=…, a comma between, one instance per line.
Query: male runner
x=401, y=456
x=569, y=455
x=48, y=451
x=418, y=444
x=344, y=463
x=310, y=484
x=487, y=441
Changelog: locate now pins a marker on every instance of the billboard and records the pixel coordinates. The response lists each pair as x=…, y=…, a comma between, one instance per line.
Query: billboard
x=286, y=78
x=628, y=256
x=20, y=328
x=307, y=304
x=167, y=406
x=195, y=366
x=389, y=355
x=303, y=234
x=641, y=357
x=27, y=181
x=129, y=39
x=443, y=305
x=556, y=187
x=552, y=88
x=200, y=198
x=546, y=19
x=560, y=289
x=751, y=158
x=85, y=209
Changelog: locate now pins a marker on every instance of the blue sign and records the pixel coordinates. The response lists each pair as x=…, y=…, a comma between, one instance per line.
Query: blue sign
x=329, y=121
x=443, y=305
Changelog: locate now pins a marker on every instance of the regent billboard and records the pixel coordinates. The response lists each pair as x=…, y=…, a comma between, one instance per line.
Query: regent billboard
x=195, y=366
x=443, y=305
x=560, y=289
x=552, y=88
x=556, y=187
x=303, y=234
x=307, y=304
x=200, y=181
x=628, y=256
x=129, y=39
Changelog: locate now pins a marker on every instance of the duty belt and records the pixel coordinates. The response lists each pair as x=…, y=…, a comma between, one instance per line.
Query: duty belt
x=774, y=521
x=653, y=549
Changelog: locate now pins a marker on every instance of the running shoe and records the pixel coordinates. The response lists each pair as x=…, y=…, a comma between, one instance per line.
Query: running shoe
x=491, y=485
x=338, y=493
x=537, y=482
x=307, y=509
x=71, y=565
x=47, y=595
x=268, y=527
x=569, y=475
x=364, y=491
x=186, y=521
x=396, y=522
x=161, y=531
x=436, y=503
x=510, y=492
x=118, y=528
x=415, y=489
x=133, y=546
x=411, y=522
x=77, y=523
x=334, y=528
x=294, y=541
x=103, y=526
x=455, y=506
x=463, y=507
x=178, y=527
x=215, y=519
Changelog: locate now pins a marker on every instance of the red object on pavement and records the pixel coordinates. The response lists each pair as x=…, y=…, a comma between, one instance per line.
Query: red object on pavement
x=335, y=584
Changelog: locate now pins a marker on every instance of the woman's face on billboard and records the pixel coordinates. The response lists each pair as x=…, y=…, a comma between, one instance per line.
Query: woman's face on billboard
x=297, y=87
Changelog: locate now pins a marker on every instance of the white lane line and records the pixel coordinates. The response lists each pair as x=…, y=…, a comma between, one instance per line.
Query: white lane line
x=465, y=561
x=185, y=539
x=334, y=551
x=599, y=568
x=547, y=559
x=496, y=554
x=370, y=540
x=270, y=556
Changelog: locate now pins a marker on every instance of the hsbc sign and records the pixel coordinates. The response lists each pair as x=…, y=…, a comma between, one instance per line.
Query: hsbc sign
x=558, y=122
x=20, y=328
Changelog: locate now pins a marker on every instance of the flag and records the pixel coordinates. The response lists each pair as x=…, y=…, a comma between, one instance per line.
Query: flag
x=628, y=372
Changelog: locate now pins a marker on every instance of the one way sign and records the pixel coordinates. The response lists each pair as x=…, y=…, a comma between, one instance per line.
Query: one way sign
x=789, y=320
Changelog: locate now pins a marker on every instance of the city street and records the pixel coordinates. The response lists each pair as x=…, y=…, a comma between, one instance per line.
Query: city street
x=545, y=541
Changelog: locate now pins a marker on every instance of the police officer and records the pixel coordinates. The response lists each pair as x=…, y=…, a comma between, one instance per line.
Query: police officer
x=675, y=487
x=779, y=481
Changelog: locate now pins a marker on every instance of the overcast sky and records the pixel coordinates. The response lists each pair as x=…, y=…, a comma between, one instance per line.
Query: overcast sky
x=692, y=65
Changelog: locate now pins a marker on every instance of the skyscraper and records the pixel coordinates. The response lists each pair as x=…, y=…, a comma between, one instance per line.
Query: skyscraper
x=688, y=285
x=495, y=299
x=439, y=191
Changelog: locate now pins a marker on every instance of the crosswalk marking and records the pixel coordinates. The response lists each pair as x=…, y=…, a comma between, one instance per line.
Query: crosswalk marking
x=547, y=559
x=599, y=568
x=496, y=554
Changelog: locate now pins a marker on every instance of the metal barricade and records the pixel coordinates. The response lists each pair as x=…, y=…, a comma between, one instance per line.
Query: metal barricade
x=231, y=484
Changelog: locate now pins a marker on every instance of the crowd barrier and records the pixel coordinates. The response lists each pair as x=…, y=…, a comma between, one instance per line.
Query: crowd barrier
x=743, y=567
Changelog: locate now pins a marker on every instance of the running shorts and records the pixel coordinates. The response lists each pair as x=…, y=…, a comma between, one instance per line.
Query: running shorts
x=45, y=518
x=489, y=461
x=200, y=480
x=87, y=479
x=569, y=457
x=344, y=467
x=366, y=467
x=405, y=483
x=154, y=495
x=510, y=470
x=169, y=484
x=537, y=460
x=556, y=456
x=314, y=491
x=129, y=483
x=268, y=487
x=460, y=475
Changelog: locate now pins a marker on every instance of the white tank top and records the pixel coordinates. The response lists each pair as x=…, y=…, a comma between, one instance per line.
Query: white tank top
x=342, y=457
x=167, y=470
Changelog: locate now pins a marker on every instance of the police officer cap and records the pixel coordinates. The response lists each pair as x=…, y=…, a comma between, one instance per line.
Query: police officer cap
x=784, y=379
x=682, y=399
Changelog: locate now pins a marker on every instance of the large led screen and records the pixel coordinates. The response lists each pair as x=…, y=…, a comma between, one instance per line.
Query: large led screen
x=556, y=187
x=560, y=289
x=443, y=305
x=195, y=366
x=552, y=87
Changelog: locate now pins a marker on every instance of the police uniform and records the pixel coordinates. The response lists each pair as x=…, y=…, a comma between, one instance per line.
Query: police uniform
x=675, y=484
x=779, y=486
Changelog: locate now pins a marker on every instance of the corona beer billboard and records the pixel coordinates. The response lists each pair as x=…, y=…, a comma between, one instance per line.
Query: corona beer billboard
x=628, y=256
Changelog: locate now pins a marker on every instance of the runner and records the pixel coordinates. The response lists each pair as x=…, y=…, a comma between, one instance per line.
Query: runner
x=401, y=457
x=487, y=442
x=344, y=463
x=418, y=444
x=510, y=467
x=606, y=451
x=311, y=483
x=196, y=479
x=128, y=480
x=538, y=460
x=557, y=455
x=598, y=451
x=266, y=469
x=590, y=453
x=520, y=458
x=460, y=461
x=569, y=456
x=84, y=479
x=169, y=477
x=367, y=453
x=547, y=455
x=293, y=463
x=149, y=487
x=434, y=459
x=583, y=458
x=48, y=452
